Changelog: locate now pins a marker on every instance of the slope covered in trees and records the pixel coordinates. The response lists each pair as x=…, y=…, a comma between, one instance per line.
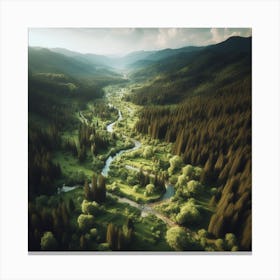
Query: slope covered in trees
x=42, y=60
x=58, y=87
x=195, y=72
x=211, y=128
x=212, y=131
x=186, y=185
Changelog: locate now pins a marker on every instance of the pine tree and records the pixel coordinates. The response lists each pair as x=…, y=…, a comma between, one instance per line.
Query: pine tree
x=94, y=191
x=112, y=236
x=71, y=205
x=101, y=188
x=87, y=191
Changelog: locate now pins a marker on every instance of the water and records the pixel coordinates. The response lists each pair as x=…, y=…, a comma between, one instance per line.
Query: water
x=170, y=191
x=109, y=160
x=111, y=125
x=66, y=189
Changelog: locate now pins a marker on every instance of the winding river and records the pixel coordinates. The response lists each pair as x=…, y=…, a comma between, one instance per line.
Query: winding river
x=109, y=160
x=144, y=208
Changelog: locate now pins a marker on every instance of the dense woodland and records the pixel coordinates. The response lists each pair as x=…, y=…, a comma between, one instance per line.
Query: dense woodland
x=214, y=133
x=196, y=99
x=54, y=101
x=194, y=73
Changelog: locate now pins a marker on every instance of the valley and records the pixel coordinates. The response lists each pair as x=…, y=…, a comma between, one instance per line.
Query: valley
x=153, y=158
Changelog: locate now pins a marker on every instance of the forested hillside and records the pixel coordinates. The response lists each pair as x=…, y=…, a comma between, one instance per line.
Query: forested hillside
x=211, y=129
x=42, y=60
x=150, y=151
x=58, y=87
x=195, y=72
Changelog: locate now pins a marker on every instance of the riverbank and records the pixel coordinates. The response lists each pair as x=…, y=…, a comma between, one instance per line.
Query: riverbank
x=144, y=208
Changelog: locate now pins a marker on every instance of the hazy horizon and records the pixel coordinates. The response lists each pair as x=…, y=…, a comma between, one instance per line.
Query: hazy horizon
x=122, y=41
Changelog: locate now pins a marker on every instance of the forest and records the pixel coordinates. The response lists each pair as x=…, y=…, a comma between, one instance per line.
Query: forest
x=153, y=156
x=214, y=133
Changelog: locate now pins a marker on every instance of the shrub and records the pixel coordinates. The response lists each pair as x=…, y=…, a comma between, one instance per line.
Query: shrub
x=193, y=188
x=178, y=239
x=48, y=241
x=202, y=233
x=150, y=188
x=209, y=249
x=230, y=241
x=90, y=207
x=173, y=179
x=203, y=242
x=234, y=248
x=188, y=171
x=148, y=152
x=197, y=173
x=182, y=180
x=175, y=164
x=189, y=214
x=104, y=247
x=85, y=222
x=93, y=232
x=219, y=243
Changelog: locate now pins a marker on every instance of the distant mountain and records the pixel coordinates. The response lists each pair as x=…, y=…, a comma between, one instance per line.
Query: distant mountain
x=41, y=60
x=133, y=57
x=202, y=71
x=140, y=64
x=143, y=64
x=149, y=58
x=65, y=52
x=102, y=60
x=232, y=45
x=162, y=54
x=147, y=69
x=131, y=60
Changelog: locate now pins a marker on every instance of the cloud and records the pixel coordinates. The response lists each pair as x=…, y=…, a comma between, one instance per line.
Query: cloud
x=221, y=34
x=125, y=40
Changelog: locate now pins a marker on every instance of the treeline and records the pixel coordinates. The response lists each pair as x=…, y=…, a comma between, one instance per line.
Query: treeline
x=158, y=180
x=53, y=100
x=105, y=112
x=57, y=102
x=119, y=238
x=55, y=219
x=48, y=100
x=97, y=190
x=194, y=73
x=52, y=225
x=41, y=170
x=214, y=133
x=89, y=139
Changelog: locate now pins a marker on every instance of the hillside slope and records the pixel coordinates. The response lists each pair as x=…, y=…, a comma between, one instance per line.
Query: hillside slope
x=42, y=60
x=194, y=72
x=209, y=124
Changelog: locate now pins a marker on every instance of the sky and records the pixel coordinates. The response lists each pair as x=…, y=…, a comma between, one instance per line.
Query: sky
x=120, y=41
